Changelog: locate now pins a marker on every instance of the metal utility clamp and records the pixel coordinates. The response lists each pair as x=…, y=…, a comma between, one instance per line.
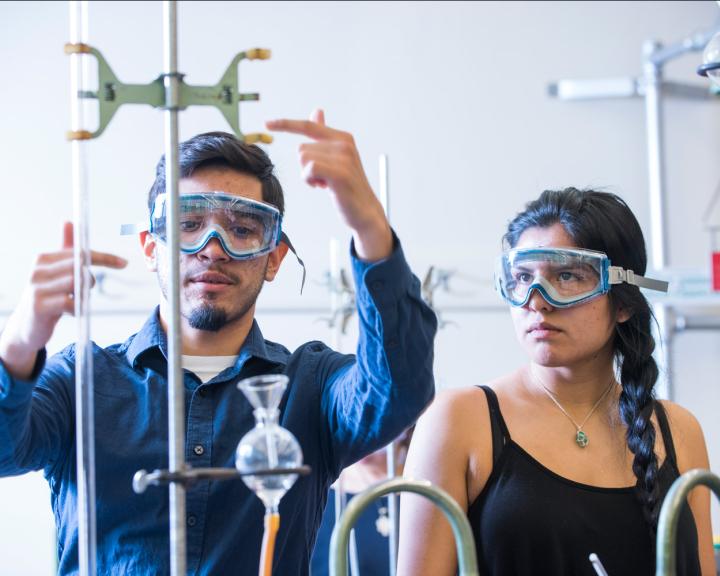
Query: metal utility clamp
x=111, y=94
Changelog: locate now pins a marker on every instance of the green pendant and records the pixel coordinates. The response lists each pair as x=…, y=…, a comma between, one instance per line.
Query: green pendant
x=581, y=439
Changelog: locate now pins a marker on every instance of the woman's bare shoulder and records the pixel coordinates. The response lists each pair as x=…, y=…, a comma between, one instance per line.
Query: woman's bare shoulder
x=687, y=436
x=456, y=405
x=463, y=412
x=470, y=401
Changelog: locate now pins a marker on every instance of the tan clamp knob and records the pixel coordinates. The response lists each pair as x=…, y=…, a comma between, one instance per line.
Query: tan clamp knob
x=255, y=137
x=258, y=54
x=78, y=48
x=72, y=135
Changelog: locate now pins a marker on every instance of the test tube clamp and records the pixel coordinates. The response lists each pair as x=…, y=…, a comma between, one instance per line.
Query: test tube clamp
x=111, y=93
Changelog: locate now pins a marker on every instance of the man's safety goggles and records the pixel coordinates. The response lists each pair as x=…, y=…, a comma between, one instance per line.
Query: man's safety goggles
x=562, y=276
x=245, y=228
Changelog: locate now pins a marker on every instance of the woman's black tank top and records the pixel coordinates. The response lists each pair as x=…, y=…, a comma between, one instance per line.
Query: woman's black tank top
x=530, y=521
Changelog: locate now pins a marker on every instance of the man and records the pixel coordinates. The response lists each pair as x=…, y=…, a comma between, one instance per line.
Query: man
x=339, y=407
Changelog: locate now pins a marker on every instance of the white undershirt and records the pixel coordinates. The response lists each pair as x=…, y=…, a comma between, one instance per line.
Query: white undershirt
x=207, y=367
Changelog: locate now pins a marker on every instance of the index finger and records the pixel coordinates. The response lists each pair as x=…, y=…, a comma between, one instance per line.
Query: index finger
x=107, y=260
x=67, y=235
x=318, y=115
x=304, y=127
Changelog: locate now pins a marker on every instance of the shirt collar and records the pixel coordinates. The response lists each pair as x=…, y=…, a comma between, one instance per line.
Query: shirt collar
x=152, y=337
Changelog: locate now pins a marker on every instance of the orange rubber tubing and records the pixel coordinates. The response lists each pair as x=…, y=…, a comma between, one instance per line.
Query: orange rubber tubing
x=272, y=525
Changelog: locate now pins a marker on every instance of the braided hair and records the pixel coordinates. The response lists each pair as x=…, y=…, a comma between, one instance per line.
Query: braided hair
x=602, y=221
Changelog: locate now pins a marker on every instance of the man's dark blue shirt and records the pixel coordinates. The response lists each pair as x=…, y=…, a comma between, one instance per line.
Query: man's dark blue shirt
x=339, y=407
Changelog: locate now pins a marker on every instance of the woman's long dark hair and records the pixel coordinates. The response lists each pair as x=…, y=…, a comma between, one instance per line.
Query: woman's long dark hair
x=602, y=221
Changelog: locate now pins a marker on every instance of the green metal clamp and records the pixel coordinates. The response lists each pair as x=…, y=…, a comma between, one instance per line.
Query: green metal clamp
x=111, y=94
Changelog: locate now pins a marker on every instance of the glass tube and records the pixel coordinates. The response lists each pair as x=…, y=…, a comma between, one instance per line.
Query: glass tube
x=85, y=413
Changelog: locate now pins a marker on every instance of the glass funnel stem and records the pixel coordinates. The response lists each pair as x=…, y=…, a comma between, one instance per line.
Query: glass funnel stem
x=271, y=448
x=268, y=420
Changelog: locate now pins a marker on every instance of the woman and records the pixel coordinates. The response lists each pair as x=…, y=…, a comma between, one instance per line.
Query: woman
x=571, y=454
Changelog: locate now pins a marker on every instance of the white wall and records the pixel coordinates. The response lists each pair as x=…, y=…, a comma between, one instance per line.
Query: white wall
x=455, y=93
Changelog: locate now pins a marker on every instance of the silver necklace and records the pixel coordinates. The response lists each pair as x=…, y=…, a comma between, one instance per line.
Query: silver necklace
x=581, y=438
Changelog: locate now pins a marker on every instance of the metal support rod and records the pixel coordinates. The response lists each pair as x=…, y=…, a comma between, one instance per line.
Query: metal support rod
x=595, y=89
x=666, y=547
x=696, y=322
x=393, y=499
x=664, y=315
x=393, y=508
x=652, y=73
x=189, y=476
x=656, y=171
x=687, y=91
x=85, y=412
x=176, y=399
x=465, y=543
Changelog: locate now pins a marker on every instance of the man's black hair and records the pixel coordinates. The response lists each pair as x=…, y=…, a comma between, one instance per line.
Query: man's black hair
x=223, y=150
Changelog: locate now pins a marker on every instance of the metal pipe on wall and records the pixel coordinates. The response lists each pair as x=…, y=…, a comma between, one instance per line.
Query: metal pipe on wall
x=696, y=322
x=176, y=389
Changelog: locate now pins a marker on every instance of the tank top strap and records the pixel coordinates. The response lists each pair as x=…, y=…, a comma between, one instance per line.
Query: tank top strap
x=666, y=433
x=500, y=433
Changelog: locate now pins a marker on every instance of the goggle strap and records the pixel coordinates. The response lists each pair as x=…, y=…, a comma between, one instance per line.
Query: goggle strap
x=617, y=276
x=284, y=238
x=130, y=229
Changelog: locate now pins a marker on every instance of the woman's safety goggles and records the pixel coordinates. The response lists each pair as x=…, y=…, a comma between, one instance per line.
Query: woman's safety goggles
x=563, y=277
x=245, y=228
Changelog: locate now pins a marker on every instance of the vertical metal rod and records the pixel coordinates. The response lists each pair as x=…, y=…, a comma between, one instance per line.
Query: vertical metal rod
x=176, y=399
x=393, y=506
x=652, y=72
x=656, y=172
x=393, y=499
x=353, y=555
x=339, y=498
x=85, y=412
x=664, y=336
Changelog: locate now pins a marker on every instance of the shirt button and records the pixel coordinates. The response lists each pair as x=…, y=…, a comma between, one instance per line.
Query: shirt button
x=199, y=450
x=201, y=392
x=377, y=285
x=392, y=343
x=191, y=521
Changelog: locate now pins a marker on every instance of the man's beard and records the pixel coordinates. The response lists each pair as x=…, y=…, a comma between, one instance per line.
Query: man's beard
x=206, y=317
x=212, y=317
